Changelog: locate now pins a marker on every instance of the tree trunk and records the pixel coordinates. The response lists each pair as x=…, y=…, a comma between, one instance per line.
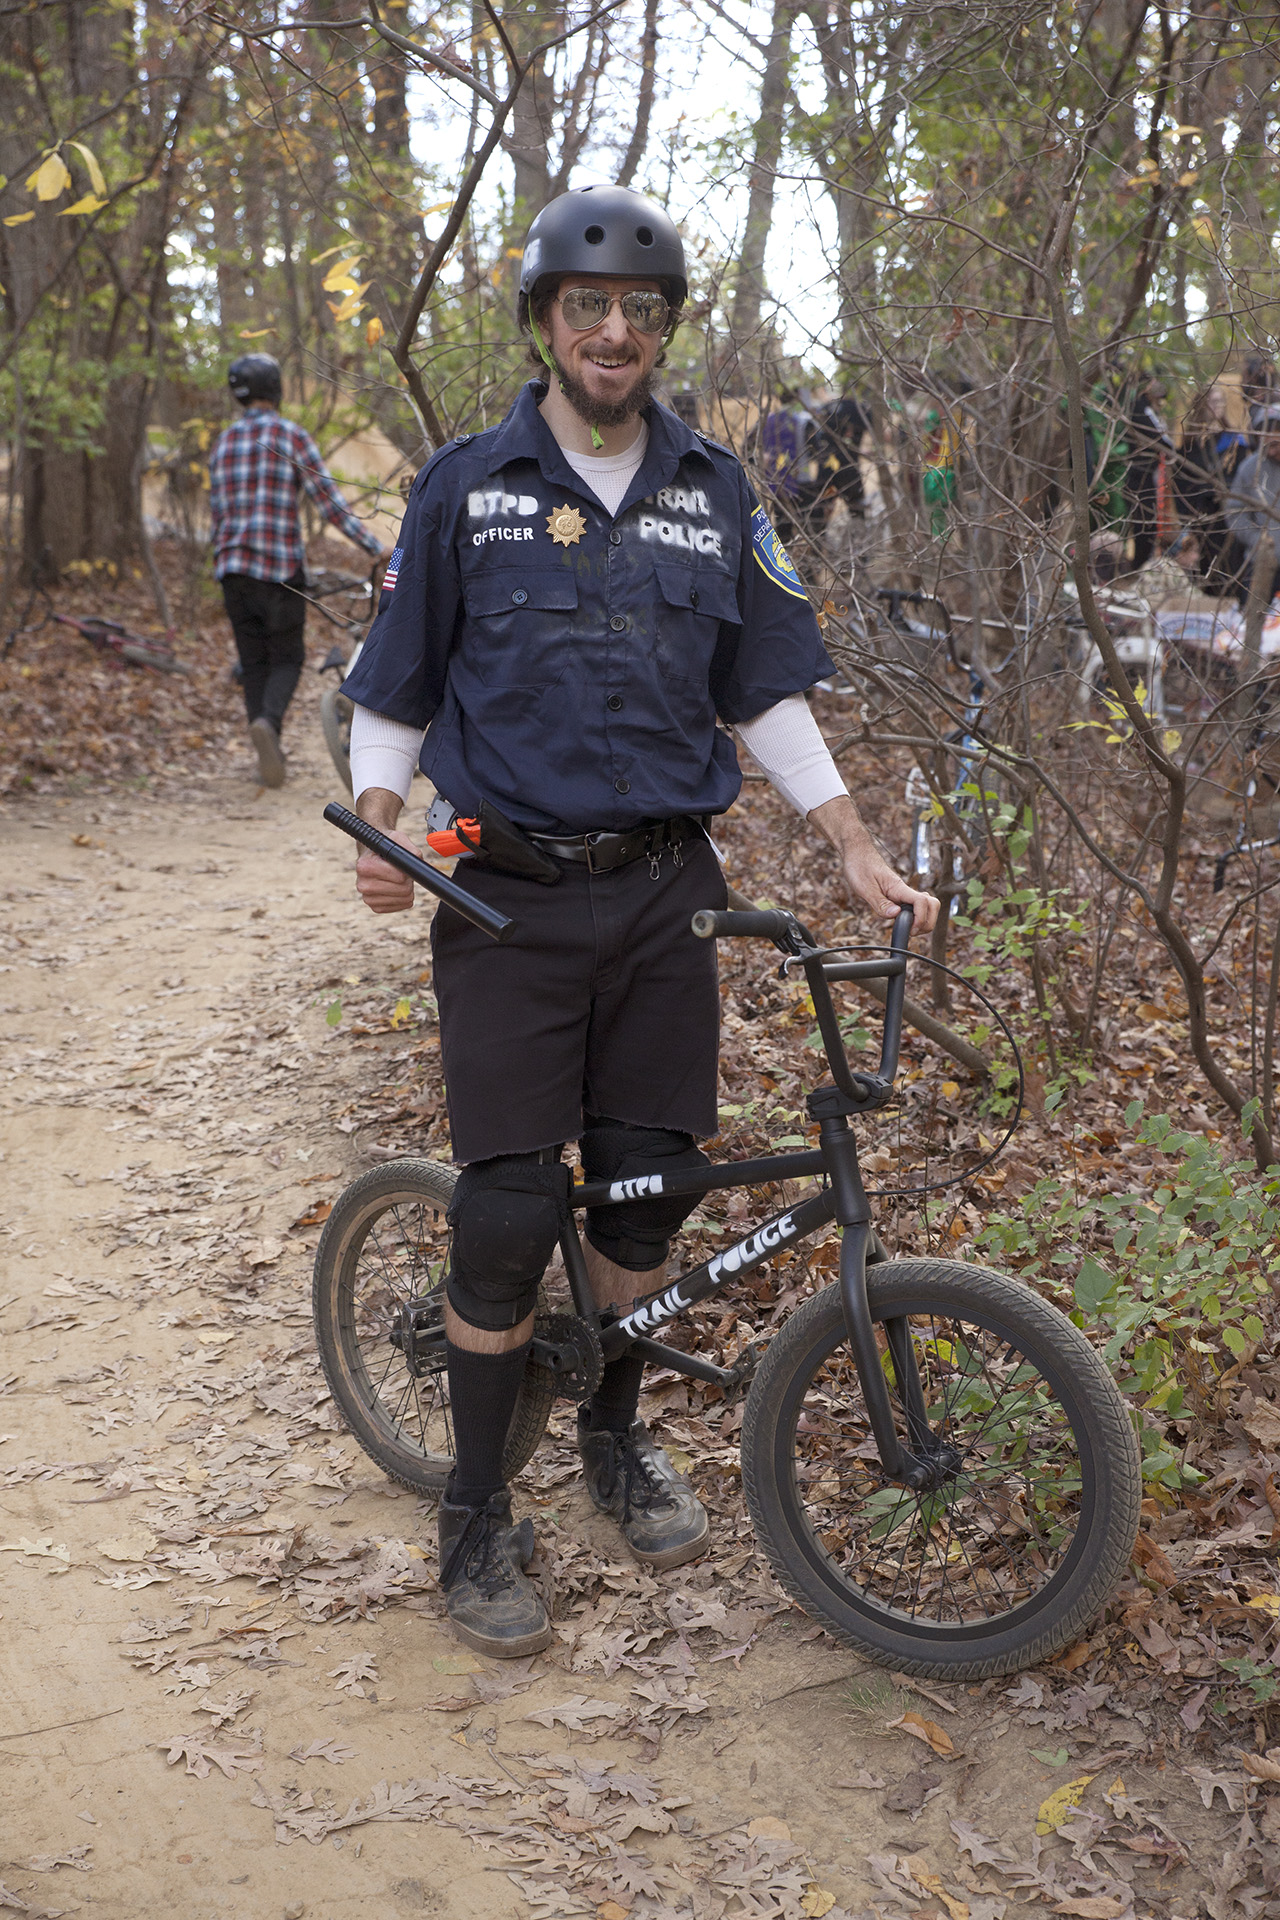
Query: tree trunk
x=750, y=291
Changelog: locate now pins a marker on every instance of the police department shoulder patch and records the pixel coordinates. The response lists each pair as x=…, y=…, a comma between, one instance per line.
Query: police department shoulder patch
x=773, y=557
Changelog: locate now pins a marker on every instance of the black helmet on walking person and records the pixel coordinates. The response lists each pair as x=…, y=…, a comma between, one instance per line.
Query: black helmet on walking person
x=255, y=376
x=606, y=230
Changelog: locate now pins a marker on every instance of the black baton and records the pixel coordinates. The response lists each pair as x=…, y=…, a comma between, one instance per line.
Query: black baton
x=488, y=919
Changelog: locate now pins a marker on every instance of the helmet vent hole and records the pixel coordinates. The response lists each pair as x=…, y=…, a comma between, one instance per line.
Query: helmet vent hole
x=645, y=236
x=593, y=236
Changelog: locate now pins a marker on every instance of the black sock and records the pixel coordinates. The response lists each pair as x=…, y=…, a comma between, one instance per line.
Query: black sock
x=483, y=1389
x=615, y=1402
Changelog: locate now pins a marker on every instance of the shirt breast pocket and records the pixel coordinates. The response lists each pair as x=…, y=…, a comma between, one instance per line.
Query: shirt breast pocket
x=518, y=626
x=694, y=602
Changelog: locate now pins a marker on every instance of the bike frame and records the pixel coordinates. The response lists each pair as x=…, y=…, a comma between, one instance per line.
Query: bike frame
x=924, y=1461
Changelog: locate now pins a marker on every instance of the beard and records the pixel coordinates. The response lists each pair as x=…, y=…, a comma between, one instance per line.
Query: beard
x=606, y=413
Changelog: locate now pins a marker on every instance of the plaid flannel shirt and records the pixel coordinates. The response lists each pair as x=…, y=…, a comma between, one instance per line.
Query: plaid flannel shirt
x=254, y=475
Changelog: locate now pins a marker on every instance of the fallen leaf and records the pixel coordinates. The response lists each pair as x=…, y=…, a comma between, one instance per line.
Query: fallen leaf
x=815, y=1900
x=927, y=1730
x=136, y=1543
x=1094, y=1906
x=229, y=1760
x=1263, y=1766
x=611, y=1911
x=318, y=1210
x=1051, y=1813
x=575, y=1712
x=456, y=1663
x=331, y=1750
x=1075, y=1656
x=767, y=1828
x=1266, y=1603
x=38, y=1549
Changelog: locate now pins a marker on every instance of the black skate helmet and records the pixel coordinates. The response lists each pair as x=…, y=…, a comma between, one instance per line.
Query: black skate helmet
x=255, y=376
x=606, y=230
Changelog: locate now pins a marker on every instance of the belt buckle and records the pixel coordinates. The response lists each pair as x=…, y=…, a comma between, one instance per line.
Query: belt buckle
x=590, y=842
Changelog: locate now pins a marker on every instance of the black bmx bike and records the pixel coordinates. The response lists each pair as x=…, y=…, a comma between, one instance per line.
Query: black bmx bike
x=938, y=1465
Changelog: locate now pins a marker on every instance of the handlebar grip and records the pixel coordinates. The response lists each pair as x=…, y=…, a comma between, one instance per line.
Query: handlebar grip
x=487, y=918
x=764, y=923
x=895, y=994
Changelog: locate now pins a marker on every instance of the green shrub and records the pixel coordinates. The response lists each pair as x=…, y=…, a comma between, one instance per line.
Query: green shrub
x=1176, y=1281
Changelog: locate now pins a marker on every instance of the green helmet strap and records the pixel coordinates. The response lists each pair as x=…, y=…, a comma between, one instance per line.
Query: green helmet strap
x=541, y=345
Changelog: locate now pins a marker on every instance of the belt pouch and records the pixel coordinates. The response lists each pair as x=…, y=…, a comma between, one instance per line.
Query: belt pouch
x=504, y=846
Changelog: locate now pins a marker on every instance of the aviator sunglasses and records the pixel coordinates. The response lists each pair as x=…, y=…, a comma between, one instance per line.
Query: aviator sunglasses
x=585, y=307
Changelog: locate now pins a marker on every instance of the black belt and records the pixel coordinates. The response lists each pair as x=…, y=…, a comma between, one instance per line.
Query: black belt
x=601, y=852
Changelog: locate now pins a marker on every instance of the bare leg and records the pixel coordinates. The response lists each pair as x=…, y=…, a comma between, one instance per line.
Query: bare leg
x=460, y=1333
x=615, y=1286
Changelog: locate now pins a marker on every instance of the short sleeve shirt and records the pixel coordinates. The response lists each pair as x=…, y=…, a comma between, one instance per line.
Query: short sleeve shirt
x=570, y=665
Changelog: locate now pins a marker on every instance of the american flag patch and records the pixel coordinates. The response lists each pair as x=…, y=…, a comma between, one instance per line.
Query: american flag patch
x=392, y=573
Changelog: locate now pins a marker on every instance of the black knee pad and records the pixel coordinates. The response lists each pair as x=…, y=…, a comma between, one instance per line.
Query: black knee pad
x=637, y=1234
x=506, y=1216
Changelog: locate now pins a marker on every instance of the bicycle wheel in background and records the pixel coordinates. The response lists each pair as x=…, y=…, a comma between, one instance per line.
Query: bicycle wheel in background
x=380, y=1260
x=335, y=718
x=1024, y=1541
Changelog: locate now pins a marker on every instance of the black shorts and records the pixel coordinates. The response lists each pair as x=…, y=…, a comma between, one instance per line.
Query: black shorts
x=602, y=1001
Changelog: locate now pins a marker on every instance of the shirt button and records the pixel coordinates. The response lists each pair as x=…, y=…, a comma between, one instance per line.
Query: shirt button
x=615, y=538
x=519, y=597
x=617, y=623
x=614, y=703
x=622, y=786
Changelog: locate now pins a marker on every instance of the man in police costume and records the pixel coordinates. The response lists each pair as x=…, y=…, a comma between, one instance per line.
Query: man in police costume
x=579, y=594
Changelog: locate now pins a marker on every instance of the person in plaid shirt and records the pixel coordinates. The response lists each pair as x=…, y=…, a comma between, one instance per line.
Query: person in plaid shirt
x=255, y=472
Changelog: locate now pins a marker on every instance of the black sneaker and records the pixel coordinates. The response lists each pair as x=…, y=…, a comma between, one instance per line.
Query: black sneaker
x=492, y=1607
x=662, y=1520
x=266, y=743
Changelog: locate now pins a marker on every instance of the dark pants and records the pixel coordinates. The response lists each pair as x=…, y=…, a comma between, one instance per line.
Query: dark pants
x=267, y=618
x=602, y=1000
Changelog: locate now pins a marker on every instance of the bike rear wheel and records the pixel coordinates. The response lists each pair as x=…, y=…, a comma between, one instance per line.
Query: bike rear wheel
x=335, y=717
x=1014, y=1553
x=382, y=1258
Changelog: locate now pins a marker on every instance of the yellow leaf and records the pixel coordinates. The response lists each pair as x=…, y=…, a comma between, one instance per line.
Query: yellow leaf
x=441, y=206
x=1052, y=1812
x=950, y=1088
x=351, y=306
x=373, y=332
x=338, y=279
x=816, y=1901
x=1180, y=133
x=1187, y=179
x=1202, y=227
x=927, y=1730
x=767, y=1828
x=329, y=252
x=17, y=219
x=96, y=180
x=958, y=1909
x=51, y=177
x=255, y=333
x=87, y=203
x=1172, y=739
x=1266, y=1603
x=679, y=1460
x=611, y=1911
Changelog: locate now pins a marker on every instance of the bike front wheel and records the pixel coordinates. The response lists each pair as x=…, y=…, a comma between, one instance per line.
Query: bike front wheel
x=378, y=1302
x=1033, y=1524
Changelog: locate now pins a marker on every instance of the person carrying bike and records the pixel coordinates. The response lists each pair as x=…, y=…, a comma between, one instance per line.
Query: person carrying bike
x=255, y=473
x=578, y=596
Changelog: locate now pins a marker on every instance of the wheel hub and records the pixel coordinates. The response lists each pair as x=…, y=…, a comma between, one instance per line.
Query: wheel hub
x=417, y=1332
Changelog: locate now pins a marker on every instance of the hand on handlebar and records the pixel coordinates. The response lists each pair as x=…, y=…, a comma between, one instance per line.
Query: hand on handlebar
x=382, y=887
x=873, y=881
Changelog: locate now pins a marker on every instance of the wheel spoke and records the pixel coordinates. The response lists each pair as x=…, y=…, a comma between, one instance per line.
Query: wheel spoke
x=994, y=1532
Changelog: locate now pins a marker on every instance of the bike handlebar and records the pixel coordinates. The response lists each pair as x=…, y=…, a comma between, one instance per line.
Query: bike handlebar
x=794, y=939
x=487, y=918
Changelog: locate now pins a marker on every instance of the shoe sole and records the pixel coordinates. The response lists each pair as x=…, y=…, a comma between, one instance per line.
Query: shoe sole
x=672, y=1556
x=503, y=1649
x=270, y=758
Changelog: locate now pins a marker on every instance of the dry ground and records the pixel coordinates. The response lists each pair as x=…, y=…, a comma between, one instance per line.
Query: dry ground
x=203, y=1578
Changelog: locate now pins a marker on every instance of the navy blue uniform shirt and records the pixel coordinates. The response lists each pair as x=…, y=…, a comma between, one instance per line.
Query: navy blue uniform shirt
x=570, y=666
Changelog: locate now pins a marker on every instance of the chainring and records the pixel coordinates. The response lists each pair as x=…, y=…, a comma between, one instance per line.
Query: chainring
x=569, y=1330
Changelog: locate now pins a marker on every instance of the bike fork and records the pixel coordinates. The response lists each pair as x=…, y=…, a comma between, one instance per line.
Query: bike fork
x=902, y=1464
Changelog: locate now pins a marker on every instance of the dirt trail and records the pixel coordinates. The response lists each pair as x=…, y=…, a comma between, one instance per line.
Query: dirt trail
x=203, y=1558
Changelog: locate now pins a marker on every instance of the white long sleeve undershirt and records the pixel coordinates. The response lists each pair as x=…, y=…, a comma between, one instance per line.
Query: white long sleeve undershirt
x=784, y=741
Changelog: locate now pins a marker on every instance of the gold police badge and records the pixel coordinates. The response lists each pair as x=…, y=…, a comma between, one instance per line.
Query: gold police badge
x=566, y=526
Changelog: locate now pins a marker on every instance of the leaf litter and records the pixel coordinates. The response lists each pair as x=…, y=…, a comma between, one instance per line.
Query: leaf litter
x=216, y=1449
